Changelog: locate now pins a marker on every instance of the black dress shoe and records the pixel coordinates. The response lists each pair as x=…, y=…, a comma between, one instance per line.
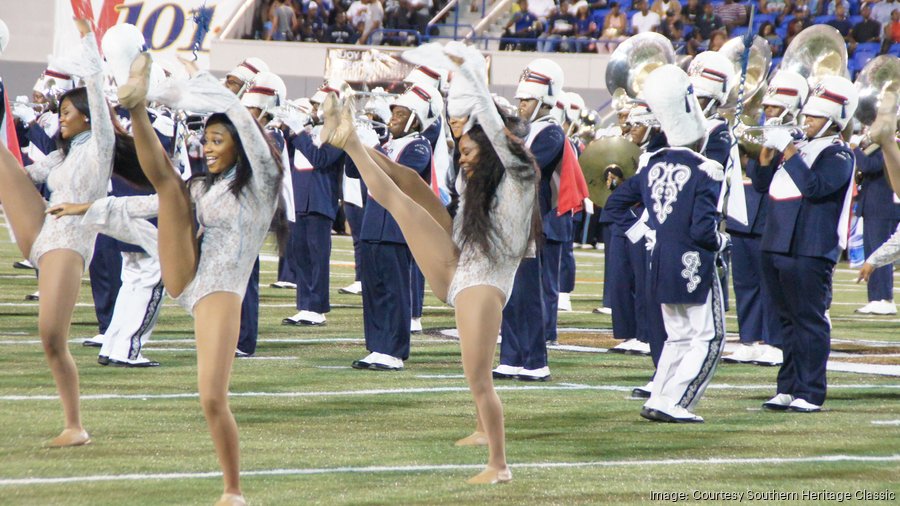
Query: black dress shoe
x=32, y=296
x=119, y=363
x=91, y=344
x=103, y=360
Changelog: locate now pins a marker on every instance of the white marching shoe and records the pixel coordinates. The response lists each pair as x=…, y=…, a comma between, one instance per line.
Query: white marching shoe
x=305, y=317
x=415, y=325
x=799, y=405
x=745, y=354
x=769, y=355
x=565, y=302
x=879, y=307
x=284, y=284
x=780, y=402
x=354, y=288
x=94, y=342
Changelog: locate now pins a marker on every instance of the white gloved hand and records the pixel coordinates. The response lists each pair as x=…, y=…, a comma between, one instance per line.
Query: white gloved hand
x=650, y=236
x=588, y=205
x=778, y=139
x=24, y=113
x=295, y=120
x=367, y=135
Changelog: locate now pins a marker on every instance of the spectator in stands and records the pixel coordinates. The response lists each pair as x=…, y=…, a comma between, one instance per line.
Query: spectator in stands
x=881, y=11
x=771, y=6
x=673, y=29
x=891, y=32
x=373, y=22
x=831, y=7
x=315, y=24
x=341, y=32
x=542, y=9
x=645, y=20
x=717, y=40
x=695, y=44
x=521, y=26
x=767, y=31
x=558, y=28
x=667, y=9
x=615, y=26
x=599, y=4
x=692, y=12
x=800, y=21
x=867, y=30
x=415, y=14
x=585, y=28
x=732, y=14
x=840, y=22
x=283, y=20
x=708, y=22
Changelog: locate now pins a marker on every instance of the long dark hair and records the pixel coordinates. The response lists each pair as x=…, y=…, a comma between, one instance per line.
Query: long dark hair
x=481, y=186
x=243, y=172
x=125, y=159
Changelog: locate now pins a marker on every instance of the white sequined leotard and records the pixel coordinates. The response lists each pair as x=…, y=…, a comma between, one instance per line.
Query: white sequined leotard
x=512, y=206
x=83, y=174
x=232, y=228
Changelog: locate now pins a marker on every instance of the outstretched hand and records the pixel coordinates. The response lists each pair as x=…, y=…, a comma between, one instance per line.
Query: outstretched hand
x=68, y=209
x=190, y=66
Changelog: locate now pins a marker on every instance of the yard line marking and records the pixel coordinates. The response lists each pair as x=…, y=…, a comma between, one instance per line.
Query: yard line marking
x=885, y=422
x=333, y=367
x=453, y=467
x=270, y=358
x=413, y=390
x=154, y=344
x=442, y=376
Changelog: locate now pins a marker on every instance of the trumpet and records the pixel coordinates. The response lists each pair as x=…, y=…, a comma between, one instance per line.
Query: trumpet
x=756, y=135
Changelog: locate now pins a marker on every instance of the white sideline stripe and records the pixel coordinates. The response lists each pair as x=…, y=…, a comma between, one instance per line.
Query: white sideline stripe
x=398, y=391
x=153, y=344
x=454, y=467
x=885, y=422
x=270, y=358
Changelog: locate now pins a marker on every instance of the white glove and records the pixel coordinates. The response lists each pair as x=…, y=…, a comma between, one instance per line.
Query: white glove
x=650, y=236
x=295, y=120
x=24, y=113
x=724, y=241
x=778, y=139
x=588, y=205
x=367, y=135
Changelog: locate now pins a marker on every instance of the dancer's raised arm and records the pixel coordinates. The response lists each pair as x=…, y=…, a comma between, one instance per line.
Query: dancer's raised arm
x=102, y=133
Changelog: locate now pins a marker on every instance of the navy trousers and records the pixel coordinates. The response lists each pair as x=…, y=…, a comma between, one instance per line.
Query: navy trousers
x=637, y=260
x=417, y=287
x=550, y=256
x=250, y=314
x=606, y=233
x=800, y=287
x=567, y=268
x=311, y=240
x=105, y=271
x=755, y=311
x=875, y=233
x=354, y=216
x=522, y=329
x=386, y=297
x=621, y=291
x=286, y=261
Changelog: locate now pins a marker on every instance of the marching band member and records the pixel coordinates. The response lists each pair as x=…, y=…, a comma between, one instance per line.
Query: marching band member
x=809, y=195
x=680, y=189
x=235, y=203
x=386, y=268
x=573, y=104
x=316, y=180
x=757, y=319
x=242, y=75
x=469, y=261
x=61, y=248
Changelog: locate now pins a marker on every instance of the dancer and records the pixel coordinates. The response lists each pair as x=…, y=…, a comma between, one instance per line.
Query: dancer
x=469, y=261
x=61, y=248
x=234, y=205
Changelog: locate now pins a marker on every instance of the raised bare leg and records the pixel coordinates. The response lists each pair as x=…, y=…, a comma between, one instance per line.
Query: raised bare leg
x=414, y=187
x=479, y=312
x=178, y=247
x=59, y=282
x=217, y=323
x=23, y=205
x=429, y=242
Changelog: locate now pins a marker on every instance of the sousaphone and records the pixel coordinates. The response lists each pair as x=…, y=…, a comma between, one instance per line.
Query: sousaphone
x=881, y=75
x=816, y=52
x=631, y=62
x=607, y=153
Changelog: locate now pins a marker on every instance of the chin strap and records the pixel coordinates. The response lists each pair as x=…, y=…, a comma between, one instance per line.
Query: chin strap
x=824, y=128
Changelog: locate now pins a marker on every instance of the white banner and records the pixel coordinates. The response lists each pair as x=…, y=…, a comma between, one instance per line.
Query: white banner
x=168, y=27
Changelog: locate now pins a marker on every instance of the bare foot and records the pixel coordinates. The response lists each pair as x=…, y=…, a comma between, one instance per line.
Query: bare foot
x=231, y=500
x=134, y=92
x=70, y=437
x=491, y=476
x=339, y=123
x=474, y=439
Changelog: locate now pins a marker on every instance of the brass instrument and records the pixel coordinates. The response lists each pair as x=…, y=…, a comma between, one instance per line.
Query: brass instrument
x=816, y=52
x=879, y=76
x=605, y=154
x=634, y=59
x=757, y=74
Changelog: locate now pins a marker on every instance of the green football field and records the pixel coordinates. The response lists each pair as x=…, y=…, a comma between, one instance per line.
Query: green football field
x=315, y=431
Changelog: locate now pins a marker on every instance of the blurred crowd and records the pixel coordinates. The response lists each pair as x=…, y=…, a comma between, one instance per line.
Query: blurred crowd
x=693, y=26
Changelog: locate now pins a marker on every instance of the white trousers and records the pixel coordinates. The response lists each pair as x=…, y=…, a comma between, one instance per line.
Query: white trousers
x=137, y=308
x=696, y=338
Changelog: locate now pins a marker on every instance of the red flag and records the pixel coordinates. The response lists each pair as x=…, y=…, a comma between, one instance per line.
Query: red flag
x=434, y=182
x=8, y=127
x=572, y=185
x=109, y=15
